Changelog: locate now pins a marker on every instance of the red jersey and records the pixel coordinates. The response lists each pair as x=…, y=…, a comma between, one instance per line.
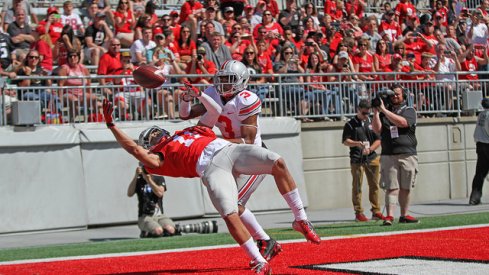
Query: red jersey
x=182, y=151
x=469, y=66
x=392, y=29
x=54, y=31
x=404, y=10
x=433, y=41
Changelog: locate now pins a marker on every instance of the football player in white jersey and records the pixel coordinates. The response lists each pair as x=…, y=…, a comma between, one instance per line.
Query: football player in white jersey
x=238, y=123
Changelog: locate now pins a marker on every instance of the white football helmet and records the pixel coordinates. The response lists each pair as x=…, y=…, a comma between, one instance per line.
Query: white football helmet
x=152, y=136
x=232, y=77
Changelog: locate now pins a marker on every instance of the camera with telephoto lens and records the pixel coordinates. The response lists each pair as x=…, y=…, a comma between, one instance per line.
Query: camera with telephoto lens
x=205, y=227
x=383, y=95
x=200, y=57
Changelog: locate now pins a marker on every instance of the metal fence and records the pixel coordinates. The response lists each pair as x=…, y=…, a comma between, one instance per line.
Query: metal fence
x=323, y=100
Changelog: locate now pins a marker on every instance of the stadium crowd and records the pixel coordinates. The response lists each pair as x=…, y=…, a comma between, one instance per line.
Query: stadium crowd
x=357, y=48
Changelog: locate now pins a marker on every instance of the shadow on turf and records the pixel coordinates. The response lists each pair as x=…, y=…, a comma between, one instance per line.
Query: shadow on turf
x=110, y=239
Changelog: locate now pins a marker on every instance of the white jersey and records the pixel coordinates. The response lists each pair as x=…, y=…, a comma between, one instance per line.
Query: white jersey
x=240, y=107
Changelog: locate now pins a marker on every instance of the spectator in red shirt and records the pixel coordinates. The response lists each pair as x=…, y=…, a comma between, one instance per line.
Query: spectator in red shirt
x=186, y=48
x=124, y=23
x=428, y=39
x=202, y=66
x=403, y=10
x=228, y=21
x=469, y=62
x=237, y=45
x=264, y=57
x=273, y=29
x=110, y=64
x=484, y=6
x=191, y=9
x=390, y=27
x=272, y=6
x=51, y=25
x=382, y=57
x=441, y=13
x=355, y=7
x=44, y=46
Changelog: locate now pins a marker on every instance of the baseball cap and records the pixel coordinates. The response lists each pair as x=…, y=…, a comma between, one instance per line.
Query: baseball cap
x=158, y=32
x=201, y=50
x=427, y=55
x=364, y=104
x=100, y=14
x=210, y=8
x=52, y=9
x=174, y=13
x=226, y=9
x=260, y=3
x=126, y=54
x=342, y=54
x=247, y=7
x=397, y=56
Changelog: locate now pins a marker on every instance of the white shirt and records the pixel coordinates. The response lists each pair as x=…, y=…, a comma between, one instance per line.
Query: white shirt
x=146, y=50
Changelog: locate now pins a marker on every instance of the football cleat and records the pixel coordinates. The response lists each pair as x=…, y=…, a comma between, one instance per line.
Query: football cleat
x=262, y=268
x=269, y=248
x=305, y=227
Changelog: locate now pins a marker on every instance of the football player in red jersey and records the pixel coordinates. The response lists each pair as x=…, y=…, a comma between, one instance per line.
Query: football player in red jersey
x=197, y=152
x=239, y=123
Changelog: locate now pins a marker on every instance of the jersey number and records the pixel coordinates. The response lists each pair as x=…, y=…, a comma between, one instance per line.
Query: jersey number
x=188, y=139
x=228, y=127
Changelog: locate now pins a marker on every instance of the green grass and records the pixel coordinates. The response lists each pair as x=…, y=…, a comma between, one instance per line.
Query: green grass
x=195, y=240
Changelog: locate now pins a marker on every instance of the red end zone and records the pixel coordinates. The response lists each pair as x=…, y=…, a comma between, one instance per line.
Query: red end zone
x=450, y=249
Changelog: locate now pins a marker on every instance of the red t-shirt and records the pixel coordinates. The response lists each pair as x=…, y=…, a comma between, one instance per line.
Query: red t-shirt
x=126, y=28
x=182, y=151
x=265, y=62
x=209, y=65
x=187, y=9
x=109, y=65
x=384, y=61
x=46, y=52
x=404, y=10
x=185, y=51
x=365, y=63
x=392, y=29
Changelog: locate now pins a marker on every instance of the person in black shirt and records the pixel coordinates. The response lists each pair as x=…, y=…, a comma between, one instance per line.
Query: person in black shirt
x=150, y=189
x=396, y=123
x=363, y=141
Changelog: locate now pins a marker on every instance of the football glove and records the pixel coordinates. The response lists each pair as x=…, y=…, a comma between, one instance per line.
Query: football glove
x=108, y=109
x=191, y=90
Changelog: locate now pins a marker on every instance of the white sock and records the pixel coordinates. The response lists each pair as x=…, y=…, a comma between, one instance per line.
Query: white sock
x=294, y=201
x=255, y=229
x=252, y=250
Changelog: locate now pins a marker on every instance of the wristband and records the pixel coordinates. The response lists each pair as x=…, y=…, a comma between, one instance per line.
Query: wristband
x=109, y=124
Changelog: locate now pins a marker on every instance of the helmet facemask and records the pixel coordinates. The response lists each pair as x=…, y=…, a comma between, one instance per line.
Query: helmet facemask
x=231, y=79
x=152, y=136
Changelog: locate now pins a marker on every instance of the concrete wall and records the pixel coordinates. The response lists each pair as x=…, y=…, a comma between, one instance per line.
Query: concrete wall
x=77, y=175
x=446, y=153
x=73, y=176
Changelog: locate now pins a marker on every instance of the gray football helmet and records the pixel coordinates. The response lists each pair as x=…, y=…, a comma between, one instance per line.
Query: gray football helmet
x=232, y=78
x=152, y=136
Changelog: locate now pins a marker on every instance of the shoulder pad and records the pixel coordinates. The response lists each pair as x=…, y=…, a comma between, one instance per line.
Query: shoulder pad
x=248, y=103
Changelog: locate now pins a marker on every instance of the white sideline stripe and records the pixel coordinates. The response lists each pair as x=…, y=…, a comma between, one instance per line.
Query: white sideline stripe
x=140, y=253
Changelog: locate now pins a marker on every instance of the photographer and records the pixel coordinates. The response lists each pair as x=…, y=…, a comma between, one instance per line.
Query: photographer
x=201, y=65
x=150, y=190
x=362, y=141
x=396, y=123
x=481, y=138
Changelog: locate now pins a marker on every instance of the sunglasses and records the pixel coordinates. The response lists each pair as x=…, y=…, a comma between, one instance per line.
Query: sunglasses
x=267, y=14
x=249, y=52
x=288, y=53
x=33, y=57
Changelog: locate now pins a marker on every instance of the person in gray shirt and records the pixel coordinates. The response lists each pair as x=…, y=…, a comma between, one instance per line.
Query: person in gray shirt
x=216, y=51
x=481, y=138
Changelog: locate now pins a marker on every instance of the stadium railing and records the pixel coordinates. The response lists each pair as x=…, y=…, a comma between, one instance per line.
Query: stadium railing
x=442, y=97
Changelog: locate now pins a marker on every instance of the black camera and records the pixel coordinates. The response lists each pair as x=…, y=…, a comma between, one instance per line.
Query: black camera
x=200, y=57
x=206, y=227
x=309, y=43
x=383, y=95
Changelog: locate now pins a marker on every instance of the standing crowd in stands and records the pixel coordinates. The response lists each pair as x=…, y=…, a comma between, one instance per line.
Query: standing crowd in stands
x=201, y=36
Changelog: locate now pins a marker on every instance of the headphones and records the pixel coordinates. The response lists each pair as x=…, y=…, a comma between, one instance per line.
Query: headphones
x=404, y=90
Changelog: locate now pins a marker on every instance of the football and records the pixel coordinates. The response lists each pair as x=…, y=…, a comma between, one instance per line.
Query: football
x=148, y=76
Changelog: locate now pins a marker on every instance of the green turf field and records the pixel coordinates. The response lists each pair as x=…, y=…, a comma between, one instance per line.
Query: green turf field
x=195, y=240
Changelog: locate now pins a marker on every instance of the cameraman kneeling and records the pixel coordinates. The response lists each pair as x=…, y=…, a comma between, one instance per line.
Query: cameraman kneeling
x=150, y=189
x=396, y=124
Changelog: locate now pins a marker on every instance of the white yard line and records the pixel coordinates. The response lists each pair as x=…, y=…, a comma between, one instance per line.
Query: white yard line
x=125, y=254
